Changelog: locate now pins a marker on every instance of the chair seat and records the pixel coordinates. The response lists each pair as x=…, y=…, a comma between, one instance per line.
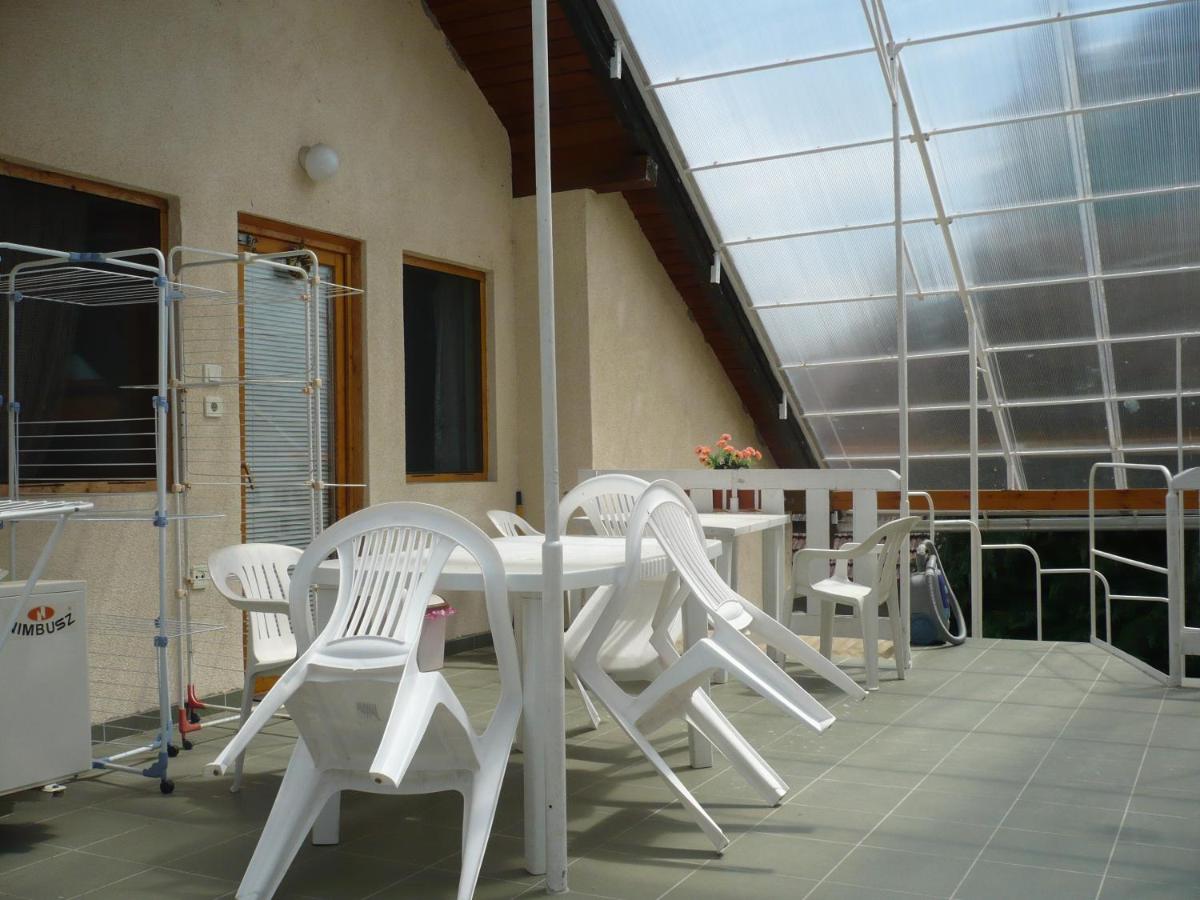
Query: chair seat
x=840, y=591
x=361, y=654
x=278, y=652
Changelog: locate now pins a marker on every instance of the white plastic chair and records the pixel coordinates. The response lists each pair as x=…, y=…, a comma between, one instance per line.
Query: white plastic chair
x=368, y=718
x=866, y=596
x=608, y=501
x=255, y=578
x=677, y=691
x=509, y=524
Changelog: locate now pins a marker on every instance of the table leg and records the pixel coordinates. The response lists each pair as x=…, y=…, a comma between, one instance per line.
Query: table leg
x=554, y=746
x=776, y=597
x=695, y=627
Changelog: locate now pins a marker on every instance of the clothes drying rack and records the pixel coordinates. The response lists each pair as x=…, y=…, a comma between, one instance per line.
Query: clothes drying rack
x=52, y=454
x=282, y=307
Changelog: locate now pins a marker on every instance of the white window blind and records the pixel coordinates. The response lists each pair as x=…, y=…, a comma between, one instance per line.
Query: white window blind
x=276, y=457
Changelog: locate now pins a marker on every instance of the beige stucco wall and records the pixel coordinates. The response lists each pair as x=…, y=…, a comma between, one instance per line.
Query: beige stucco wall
x=651, y=389
x=207, y=103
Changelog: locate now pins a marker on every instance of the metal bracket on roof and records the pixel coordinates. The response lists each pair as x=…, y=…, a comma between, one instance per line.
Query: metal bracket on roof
x=616, y=63
x=783, y=407
x=714, y=271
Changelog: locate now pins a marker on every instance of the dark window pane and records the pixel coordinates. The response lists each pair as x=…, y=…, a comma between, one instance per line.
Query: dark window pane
x=443, y=372
x=75, y=363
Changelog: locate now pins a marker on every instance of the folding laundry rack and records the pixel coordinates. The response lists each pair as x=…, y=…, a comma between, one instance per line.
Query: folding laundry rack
x=207, y=322
x=283, y=479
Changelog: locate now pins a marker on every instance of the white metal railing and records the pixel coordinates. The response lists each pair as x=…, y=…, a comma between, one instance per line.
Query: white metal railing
x=1172, y=571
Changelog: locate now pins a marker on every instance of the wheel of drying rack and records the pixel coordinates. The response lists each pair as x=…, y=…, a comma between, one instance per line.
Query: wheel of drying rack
x=166, y=785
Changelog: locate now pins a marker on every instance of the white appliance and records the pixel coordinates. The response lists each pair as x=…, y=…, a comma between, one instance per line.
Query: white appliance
x=45, y=725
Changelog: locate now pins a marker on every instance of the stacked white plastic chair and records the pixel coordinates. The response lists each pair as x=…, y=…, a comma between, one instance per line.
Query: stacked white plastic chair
x=368, y=718
x=509, y=524
x=677, y=691
x=866, y=595
x=255, y=579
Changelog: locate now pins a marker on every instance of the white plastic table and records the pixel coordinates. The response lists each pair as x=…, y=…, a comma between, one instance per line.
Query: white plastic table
x=588, y=562
x=727, y=527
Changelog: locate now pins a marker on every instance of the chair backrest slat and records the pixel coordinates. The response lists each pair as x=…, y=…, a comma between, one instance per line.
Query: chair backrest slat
x=607, y=500
x=390, y=557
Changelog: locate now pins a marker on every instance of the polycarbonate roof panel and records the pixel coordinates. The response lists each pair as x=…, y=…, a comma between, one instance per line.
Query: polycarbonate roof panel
x=1164, y=155
x=1061, y=139
x=1060, y=373
x=827, y=331
x=1019, y=246
x=911, y=19
x=1004, y=165
x=757, y=114
x=1073, y=425
x=1158, y=231
x=688, y=38
x=1062, y=312
x=1139, y=367
x=1137, y=53
x=1155, y=304
x=840, y=187
x=841, y=265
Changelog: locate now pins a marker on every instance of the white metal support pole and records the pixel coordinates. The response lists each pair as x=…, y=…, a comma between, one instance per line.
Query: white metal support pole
x=551, y=748
x=1179, y=405
x=12, y=406
x=161, y=401
x=901, y=349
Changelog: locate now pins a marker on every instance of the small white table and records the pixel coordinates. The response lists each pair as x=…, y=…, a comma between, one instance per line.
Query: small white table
x=588, y=562
x=727, y=527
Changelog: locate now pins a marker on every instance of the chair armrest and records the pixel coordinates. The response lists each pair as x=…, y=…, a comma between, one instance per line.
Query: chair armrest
x=258, y=604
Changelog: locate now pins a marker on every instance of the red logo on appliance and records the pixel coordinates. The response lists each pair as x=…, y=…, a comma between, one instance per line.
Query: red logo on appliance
x=41, y=613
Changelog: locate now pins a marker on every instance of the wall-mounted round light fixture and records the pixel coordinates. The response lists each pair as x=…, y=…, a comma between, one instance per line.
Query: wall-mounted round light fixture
x=320, y=161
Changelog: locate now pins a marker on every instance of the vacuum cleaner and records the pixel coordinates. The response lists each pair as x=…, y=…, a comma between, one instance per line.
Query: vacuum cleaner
x=936, y=617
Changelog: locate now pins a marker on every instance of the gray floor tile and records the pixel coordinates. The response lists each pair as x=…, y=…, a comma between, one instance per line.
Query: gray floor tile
x=711, y=883
x=928, y=835
x=1076, y=853
x=155, y=884
x=66, y=876
x=1166, y=865
x=955, y=808
x=629, y=838
x=991, y=880
x=918, y=873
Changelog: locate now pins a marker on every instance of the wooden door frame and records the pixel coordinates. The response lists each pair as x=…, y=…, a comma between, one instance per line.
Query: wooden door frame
x=347, y=364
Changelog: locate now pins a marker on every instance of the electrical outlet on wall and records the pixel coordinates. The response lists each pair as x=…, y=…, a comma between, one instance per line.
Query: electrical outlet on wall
x=198, y=577
x=214, y=407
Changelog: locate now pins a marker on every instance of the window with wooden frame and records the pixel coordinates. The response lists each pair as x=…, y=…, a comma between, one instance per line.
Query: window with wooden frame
x=445, y=371
x=77, y=366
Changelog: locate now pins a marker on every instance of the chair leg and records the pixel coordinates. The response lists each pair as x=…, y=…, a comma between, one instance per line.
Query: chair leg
x=899, y=638
x=588, y=706
x=247, y=705
x=870, y=627
x=287, y=685
x=302, y=793
x=705, y=716
x=827, y=611
x=693, y=808
x=479, y=811
x=783, y=638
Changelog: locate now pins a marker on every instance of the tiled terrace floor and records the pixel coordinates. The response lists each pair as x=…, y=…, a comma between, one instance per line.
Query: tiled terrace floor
x=1000, y=769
